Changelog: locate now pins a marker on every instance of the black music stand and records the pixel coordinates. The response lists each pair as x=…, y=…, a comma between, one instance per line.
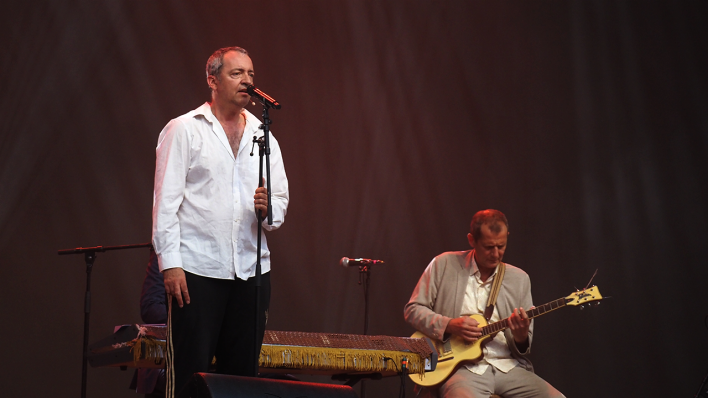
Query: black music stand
x=90, y=257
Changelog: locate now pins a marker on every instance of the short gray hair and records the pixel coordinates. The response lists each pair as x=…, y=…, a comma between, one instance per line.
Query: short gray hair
x=493, y=218
x=216, y=61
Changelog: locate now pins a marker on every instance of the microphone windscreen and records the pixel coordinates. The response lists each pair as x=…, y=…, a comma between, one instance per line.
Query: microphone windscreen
x=344, y=262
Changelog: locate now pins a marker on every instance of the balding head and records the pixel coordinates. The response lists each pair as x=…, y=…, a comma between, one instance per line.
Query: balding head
x=494, y=219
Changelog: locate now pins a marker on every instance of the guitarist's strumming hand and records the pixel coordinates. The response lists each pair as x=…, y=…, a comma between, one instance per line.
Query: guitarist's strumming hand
x=464, y=327
x=519, y=324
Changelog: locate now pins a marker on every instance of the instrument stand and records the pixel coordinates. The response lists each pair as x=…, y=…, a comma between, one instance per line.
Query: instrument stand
x=263, y=149
x=351, y=379
x=90, y=257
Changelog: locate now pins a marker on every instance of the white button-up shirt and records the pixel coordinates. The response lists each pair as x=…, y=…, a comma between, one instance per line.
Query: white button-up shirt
x=496, y=352
x=204, y=218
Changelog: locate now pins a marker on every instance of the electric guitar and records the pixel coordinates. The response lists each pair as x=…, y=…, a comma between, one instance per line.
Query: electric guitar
x=455, y=350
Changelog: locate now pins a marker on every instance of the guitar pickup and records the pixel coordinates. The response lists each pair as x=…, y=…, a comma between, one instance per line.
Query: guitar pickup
x=444, y=358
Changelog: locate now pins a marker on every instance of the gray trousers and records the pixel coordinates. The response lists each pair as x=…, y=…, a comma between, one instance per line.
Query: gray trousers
x=518, y=383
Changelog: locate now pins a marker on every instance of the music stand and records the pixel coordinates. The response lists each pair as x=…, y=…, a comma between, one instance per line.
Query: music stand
x=90, y=257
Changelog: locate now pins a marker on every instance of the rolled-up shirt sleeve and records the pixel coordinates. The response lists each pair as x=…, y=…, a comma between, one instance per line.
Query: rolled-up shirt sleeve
x=171, y=167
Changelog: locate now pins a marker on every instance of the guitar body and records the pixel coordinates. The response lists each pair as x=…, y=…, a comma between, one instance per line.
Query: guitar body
x=451, y=354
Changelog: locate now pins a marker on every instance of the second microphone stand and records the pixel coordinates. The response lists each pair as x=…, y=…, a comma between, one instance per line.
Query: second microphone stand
x=364, y=278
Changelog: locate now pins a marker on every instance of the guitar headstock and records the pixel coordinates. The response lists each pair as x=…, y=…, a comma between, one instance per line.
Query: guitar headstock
x=590, y=295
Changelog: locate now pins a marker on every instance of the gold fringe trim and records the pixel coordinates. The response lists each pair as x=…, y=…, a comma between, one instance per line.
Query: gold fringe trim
x=154, y=348
x=343, y=359
x=294, y=357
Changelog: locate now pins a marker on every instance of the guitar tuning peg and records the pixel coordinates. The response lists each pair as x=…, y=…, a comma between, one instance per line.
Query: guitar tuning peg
x=582, y=307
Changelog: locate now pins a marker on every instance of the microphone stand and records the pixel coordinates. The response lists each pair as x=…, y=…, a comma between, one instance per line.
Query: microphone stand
x=263, y=149
x=90, y=257
x=364, y=275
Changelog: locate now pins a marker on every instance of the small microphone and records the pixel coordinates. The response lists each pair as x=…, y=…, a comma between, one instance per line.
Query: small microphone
x=263, y=97
x=355, y=262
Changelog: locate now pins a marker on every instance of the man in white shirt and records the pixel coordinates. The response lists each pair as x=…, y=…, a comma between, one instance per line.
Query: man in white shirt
x=456, y=285
x=204, y=223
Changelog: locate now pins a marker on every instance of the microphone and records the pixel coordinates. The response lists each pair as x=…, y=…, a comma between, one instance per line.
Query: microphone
x=263, y=97
x=355, y=262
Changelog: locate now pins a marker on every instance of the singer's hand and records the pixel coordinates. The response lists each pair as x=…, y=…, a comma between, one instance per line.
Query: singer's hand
x=260, y=200
x=176, y=285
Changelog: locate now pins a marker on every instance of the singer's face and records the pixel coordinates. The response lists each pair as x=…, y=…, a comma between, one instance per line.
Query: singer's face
x=235, y=75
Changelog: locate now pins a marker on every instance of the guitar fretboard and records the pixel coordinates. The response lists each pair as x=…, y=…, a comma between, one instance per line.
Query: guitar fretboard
x=532, y=313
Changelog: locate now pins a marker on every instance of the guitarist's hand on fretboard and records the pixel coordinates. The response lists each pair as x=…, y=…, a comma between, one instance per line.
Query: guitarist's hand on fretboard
x=465, y=327
x=519, y=324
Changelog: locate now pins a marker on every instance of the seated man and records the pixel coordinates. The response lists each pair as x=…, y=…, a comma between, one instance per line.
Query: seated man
x=456, y=285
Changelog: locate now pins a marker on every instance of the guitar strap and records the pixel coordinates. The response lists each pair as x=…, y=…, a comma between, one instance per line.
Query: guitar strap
x=496, y=286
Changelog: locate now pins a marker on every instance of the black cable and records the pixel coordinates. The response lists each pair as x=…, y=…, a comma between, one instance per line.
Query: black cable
x=402, y=373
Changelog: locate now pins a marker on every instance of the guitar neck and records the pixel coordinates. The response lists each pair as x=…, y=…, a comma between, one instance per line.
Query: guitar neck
x=532, y=313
